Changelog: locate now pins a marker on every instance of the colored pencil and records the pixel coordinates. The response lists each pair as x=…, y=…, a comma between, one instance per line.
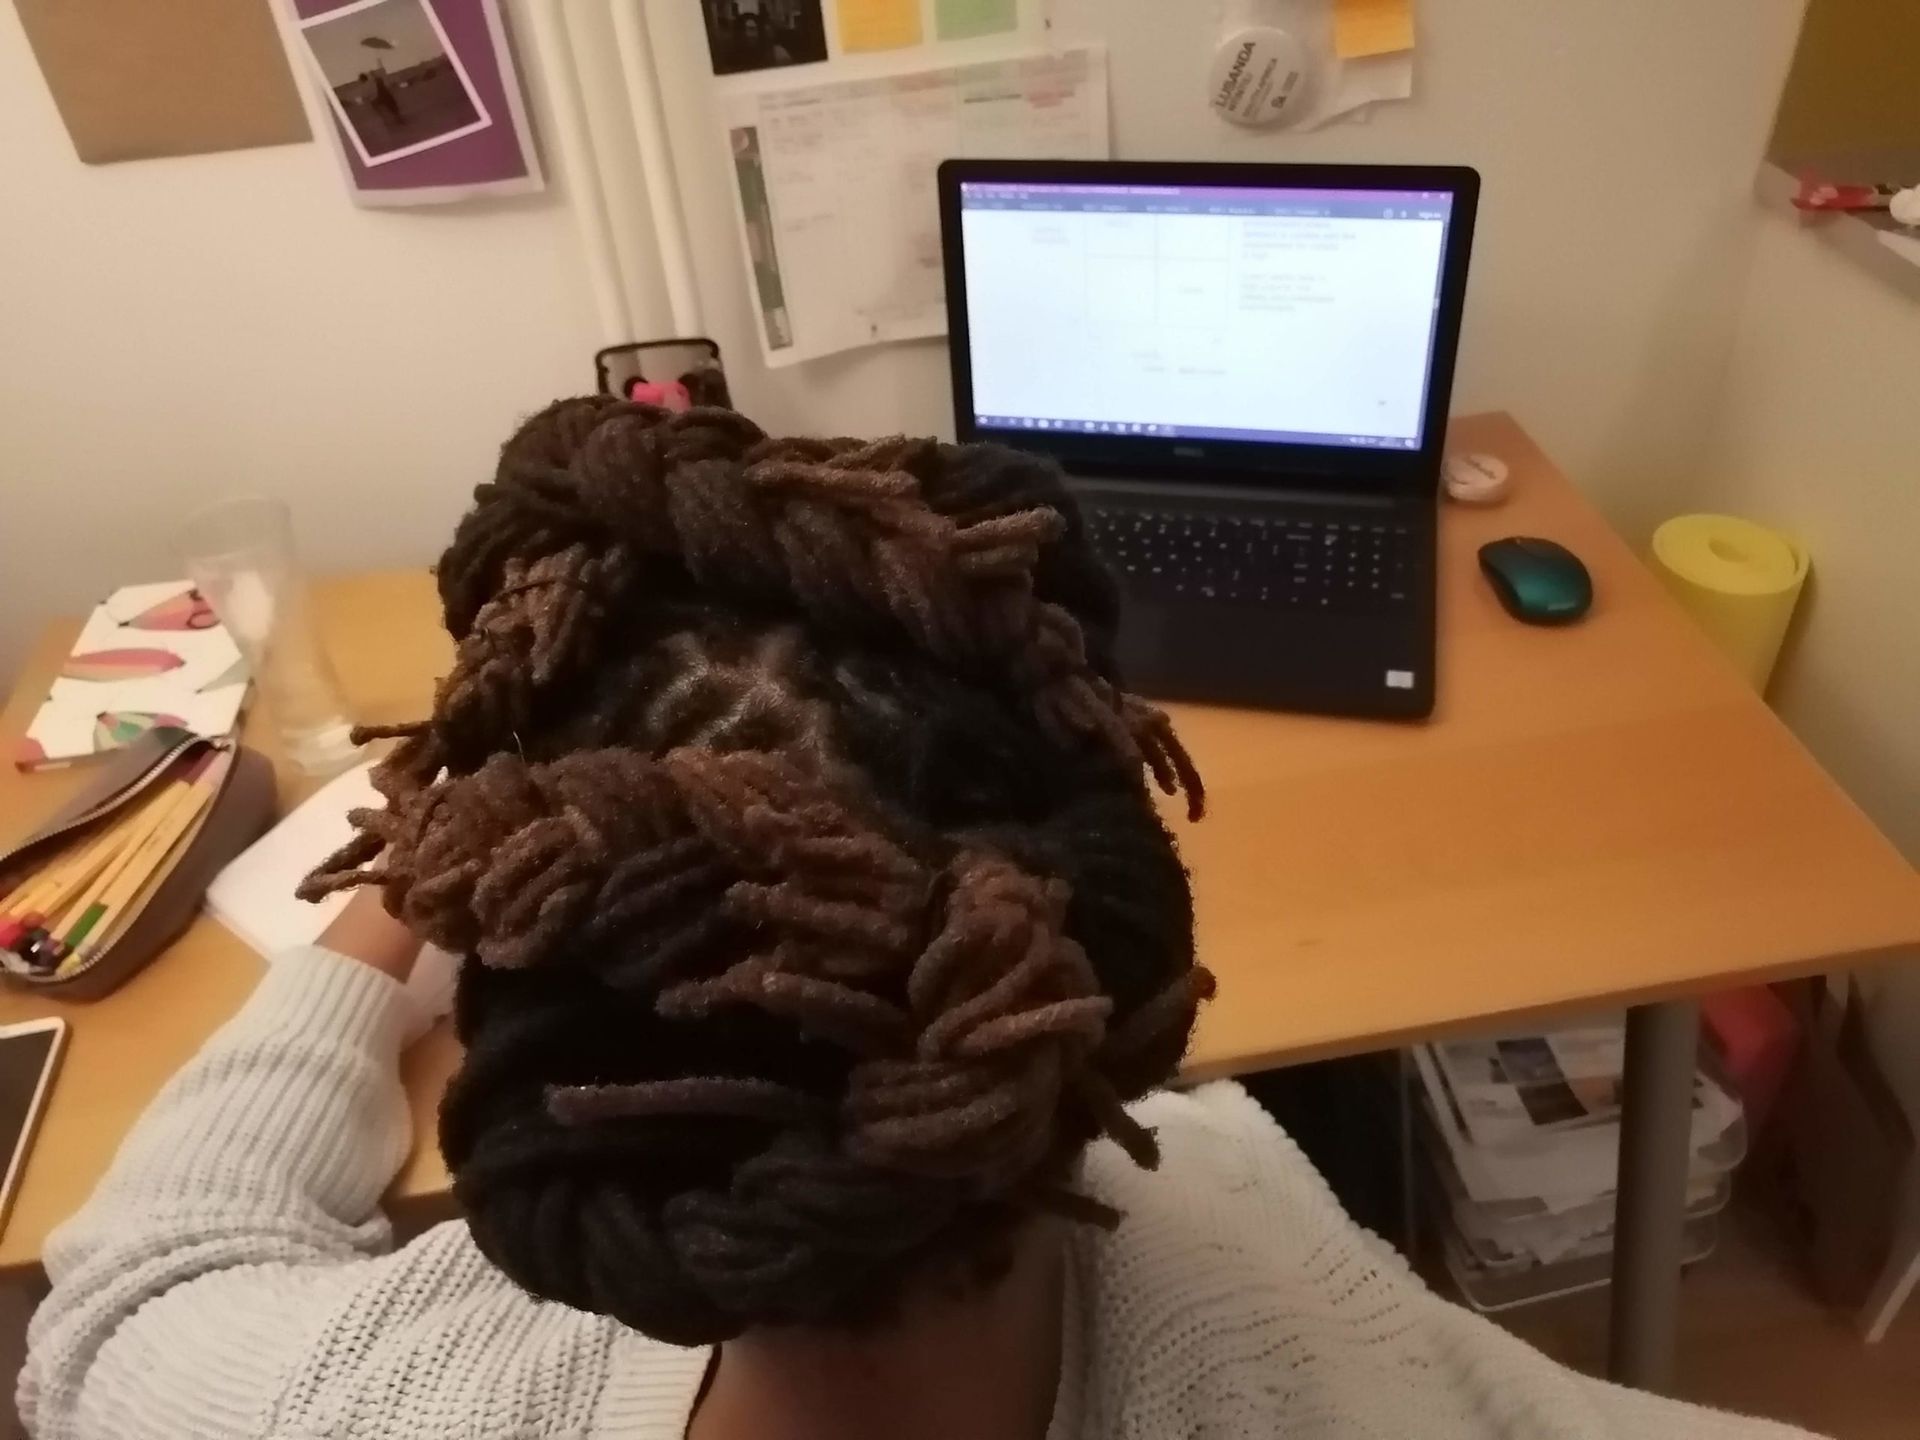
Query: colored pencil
x=17, y=898
x=101, y=926
x=182, y=795
x=108, y=930
x=154, y=817
x=26, y=897
x=62, y=878
x=58, y=893
x=145, y=863
x=76, y=902
x=50, y=893
x=31, y=895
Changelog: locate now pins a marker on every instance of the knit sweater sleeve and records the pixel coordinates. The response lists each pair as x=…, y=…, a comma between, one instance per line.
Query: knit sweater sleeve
x=186, y=1290
x=1238, y=1298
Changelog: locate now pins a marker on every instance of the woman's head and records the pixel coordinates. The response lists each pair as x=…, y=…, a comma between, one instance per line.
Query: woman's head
x=785, y=806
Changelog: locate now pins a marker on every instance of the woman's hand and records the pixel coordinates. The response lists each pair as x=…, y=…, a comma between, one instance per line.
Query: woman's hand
x=365, y=932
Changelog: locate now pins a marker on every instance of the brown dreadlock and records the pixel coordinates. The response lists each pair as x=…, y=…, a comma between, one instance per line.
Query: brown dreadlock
x=792, y=821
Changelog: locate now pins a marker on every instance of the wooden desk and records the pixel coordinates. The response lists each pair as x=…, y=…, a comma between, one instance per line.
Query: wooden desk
x=1597, y=816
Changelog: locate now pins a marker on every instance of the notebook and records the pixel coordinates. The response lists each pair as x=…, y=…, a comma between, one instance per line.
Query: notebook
x=253, y=896
x=148, y=656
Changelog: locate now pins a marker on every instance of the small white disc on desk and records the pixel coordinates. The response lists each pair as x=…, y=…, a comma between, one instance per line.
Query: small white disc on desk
x=1475, y=479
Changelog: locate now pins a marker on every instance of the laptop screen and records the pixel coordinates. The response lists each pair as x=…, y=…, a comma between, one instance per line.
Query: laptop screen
x=1202, y=312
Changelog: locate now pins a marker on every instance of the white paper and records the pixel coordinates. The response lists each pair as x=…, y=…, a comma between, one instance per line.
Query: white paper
x=835, y=196
x=1520, y=1088
x=1350, y=88
x=1530, y=1231
x=1562, y=1170
x=253, y=896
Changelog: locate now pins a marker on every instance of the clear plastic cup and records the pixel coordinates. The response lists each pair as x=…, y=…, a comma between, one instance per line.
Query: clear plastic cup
x=241, y=555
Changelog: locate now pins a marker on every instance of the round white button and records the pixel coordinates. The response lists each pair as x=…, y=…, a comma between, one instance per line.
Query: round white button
x=1475, y=479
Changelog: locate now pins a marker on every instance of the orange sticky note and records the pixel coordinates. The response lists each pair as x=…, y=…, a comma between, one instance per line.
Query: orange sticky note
x=879, y=24
x=1372, y=27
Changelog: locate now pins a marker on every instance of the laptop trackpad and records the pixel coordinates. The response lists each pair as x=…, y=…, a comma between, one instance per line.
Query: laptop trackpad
x=1253, y=655
x=1178, y=650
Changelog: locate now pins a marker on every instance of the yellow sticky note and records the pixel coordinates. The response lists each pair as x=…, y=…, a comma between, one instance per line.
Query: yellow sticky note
x=1372, y=27
x=879, y=24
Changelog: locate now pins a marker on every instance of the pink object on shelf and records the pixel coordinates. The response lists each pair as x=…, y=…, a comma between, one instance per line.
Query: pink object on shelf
x=1816, y=194
x=668, y=394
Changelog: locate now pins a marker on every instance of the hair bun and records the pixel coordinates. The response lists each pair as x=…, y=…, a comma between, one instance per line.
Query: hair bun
x=815, y=910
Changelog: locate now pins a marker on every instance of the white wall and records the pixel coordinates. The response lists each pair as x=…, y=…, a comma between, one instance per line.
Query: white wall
x=264, y=334
x=175, y=330
x=1618, y=143
x=1817, y=433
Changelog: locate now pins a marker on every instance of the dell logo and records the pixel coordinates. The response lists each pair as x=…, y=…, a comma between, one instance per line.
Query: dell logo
x=1190, y=452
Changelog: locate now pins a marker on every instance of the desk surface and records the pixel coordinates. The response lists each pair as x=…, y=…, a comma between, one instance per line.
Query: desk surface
x=1596, y=815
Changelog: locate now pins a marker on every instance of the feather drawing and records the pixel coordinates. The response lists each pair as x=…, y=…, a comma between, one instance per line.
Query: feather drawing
x=234, y=674
x=111, y=665
x=114, y=728
x=187, y=610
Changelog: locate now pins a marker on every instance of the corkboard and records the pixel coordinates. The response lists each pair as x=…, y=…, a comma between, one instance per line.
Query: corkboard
x=134, y=79
x=1850, y=109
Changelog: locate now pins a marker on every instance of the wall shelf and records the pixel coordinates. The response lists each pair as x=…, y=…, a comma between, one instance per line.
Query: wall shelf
x=1873, y=241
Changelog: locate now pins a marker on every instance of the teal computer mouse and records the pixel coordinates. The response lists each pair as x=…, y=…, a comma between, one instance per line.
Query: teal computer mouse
x=1538, y=581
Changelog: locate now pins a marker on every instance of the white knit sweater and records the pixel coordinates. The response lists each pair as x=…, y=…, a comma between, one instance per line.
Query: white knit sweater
x=233, y=1277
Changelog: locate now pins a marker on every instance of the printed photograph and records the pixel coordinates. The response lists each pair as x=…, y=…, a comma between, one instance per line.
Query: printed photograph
x=396, y=84
x=747, y=35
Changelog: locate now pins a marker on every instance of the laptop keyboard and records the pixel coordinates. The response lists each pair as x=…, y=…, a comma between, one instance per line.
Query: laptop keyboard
x=1298, y=559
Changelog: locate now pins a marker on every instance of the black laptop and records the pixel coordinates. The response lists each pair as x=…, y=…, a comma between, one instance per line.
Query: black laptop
x=1246, y=371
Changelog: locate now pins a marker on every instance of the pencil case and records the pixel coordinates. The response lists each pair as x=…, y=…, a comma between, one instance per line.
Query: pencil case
x=240, y=810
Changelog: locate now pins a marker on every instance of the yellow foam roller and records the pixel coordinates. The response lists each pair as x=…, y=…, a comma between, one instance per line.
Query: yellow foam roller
x=1738, y=579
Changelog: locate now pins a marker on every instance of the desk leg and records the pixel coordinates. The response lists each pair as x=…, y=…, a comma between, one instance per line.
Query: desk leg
x=1650, y=1217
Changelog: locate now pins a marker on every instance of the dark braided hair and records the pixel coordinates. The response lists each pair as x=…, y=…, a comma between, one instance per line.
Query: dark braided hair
x=787, y=810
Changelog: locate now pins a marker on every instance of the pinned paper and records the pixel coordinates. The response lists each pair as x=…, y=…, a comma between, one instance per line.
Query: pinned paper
x=837, y=203
x=422, y=97
x=743, y=37
x=966, y=19
x=879, y=24
x=1371, y=27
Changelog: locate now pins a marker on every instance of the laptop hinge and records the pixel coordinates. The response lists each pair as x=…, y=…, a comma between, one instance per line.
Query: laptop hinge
x=1186, y=491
